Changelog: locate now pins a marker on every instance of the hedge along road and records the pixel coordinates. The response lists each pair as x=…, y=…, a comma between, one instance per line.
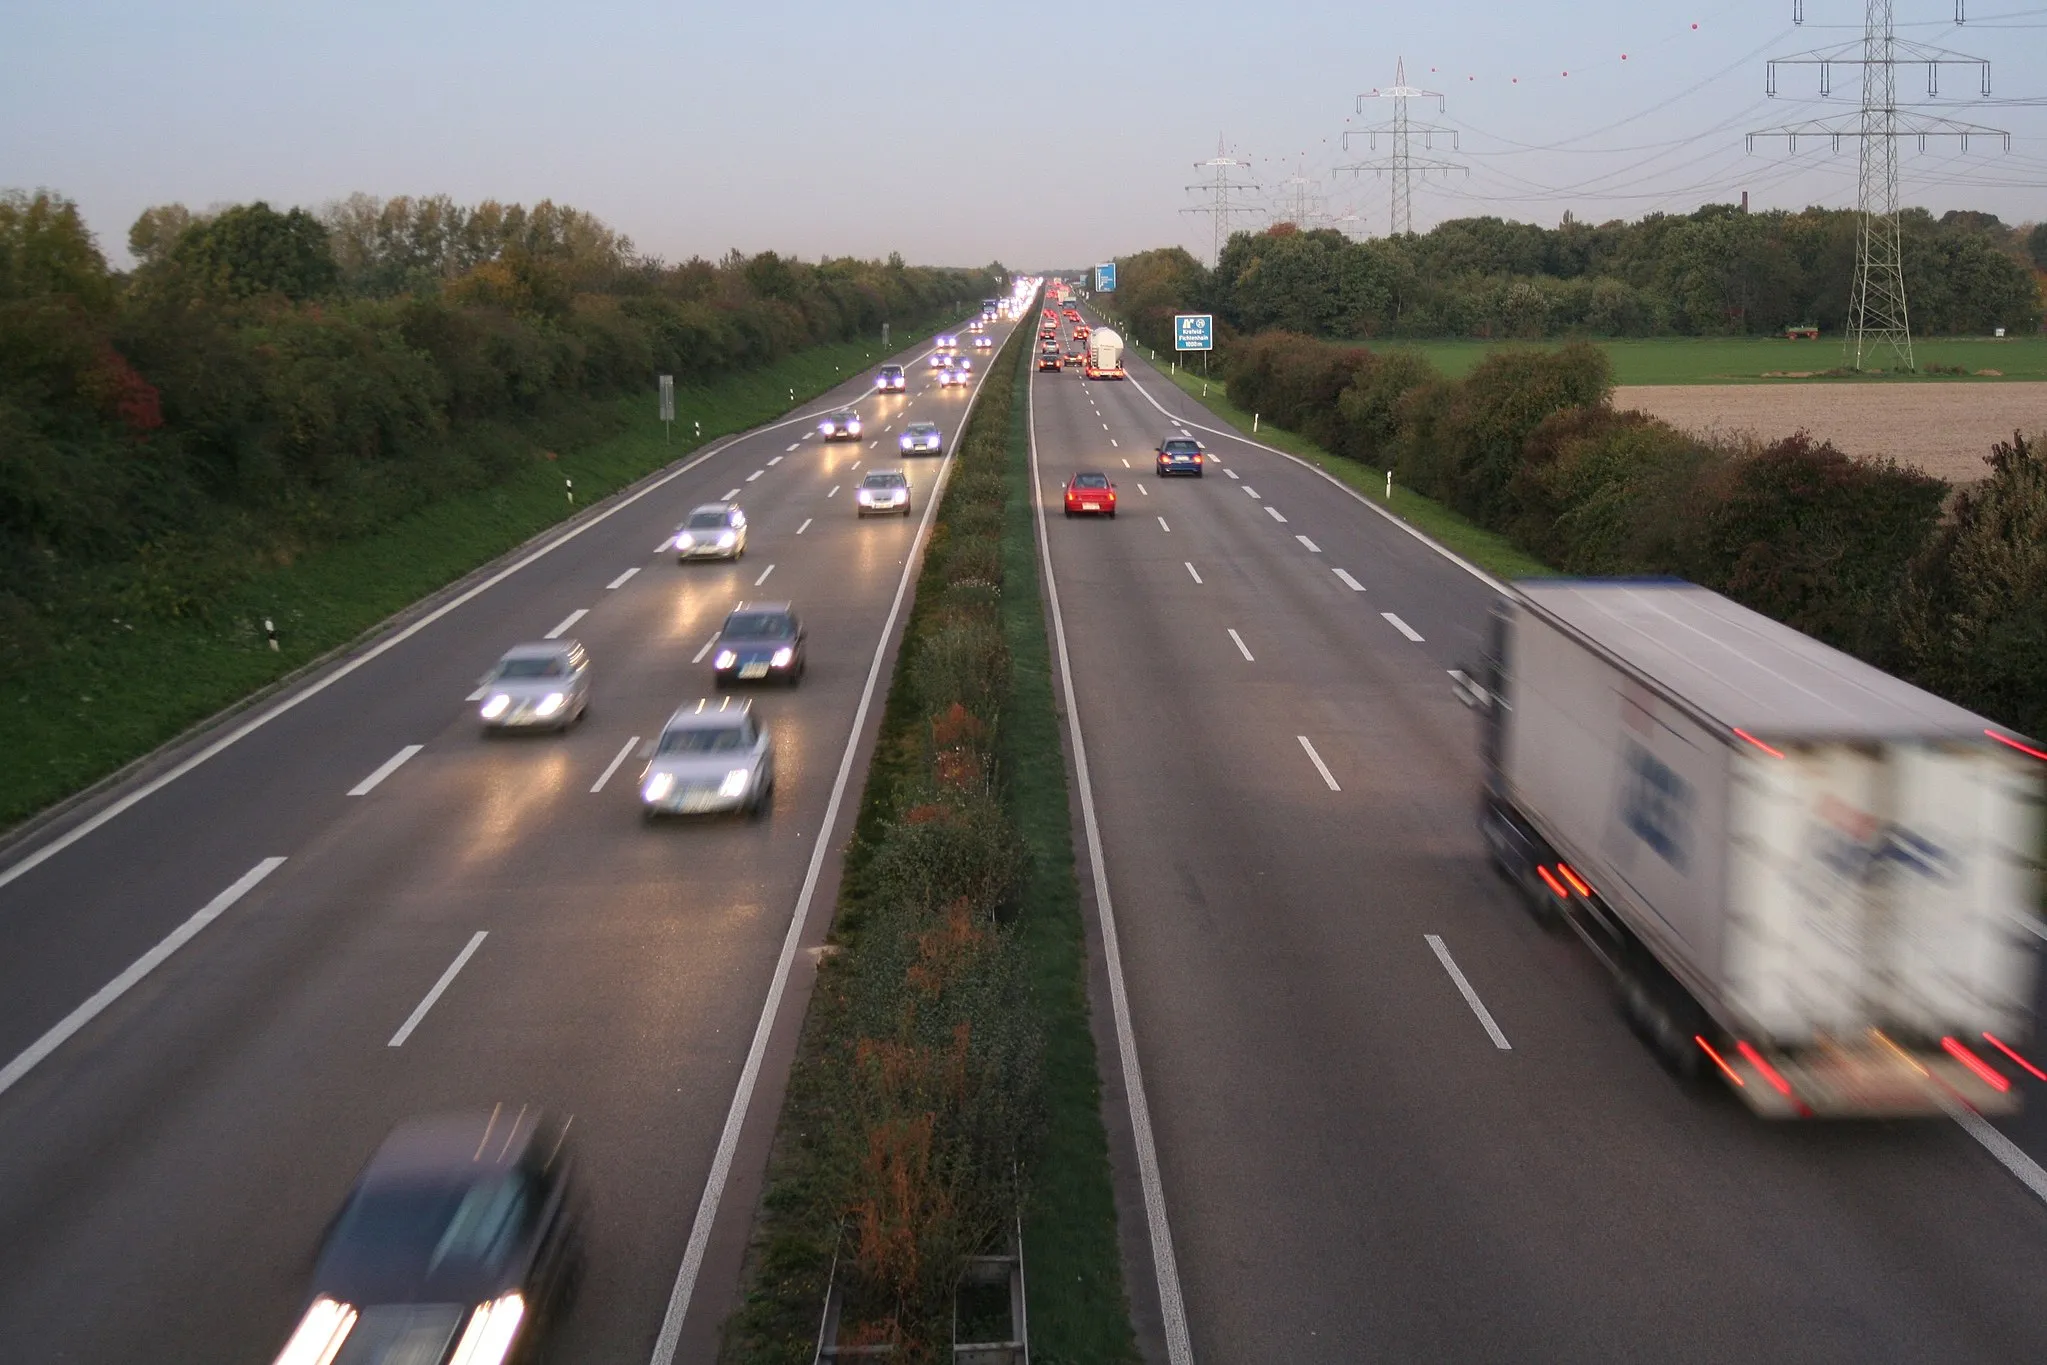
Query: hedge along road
x=1394, y=1119
x=487, y=922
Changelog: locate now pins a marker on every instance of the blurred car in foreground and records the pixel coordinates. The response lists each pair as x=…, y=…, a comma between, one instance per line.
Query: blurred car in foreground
x=921, y=438
x=716, y=530
x=843, y=425
x=709, y=758
x=883, y=490
x=1180, y=455
x=1090, y=492
x=540, y=686
x=457, y=1246
x=890, y=379
x=759, y=641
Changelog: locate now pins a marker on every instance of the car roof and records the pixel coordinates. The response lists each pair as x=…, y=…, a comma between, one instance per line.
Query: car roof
x=844, y=412
x=921, y=426
x=722, y=505
x=888, y=474
x=459, y=1144
x=703, y=715
x=1179, y=441
x=545, y=649
x=785, y=608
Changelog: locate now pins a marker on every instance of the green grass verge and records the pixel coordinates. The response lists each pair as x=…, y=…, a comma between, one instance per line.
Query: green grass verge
x=1746, y=360
x=1079, y=1311
x=121, y=688
x=1490, y=551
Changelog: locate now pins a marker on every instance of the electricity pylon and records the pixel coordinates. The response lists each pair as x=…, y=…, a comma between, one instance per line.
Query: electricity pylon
x=1877, y=316
x=1401, y=131
x=1226, y=195
x=1300, y=201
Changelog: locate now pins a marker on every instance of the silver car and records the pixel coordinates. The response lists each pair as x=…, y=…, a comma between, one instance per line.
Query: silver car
x=710, y=757
x=921, y=438
x=717, y=530
x=541, y=686
x=883, y=491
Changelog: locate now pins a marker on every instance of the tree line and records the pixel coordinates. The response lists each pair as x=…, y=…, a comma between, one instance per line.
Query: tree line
x=1720, y=271
x=263, y=382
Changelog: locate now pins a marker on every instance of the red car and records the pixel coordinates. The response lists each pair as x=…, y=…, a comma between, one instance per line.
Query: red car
x=1090, y=492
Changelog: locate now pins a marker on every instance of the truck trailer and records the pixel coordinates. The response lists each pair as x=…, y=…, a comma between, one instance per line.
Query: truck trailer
x=1104, y=354
x=1808, y=878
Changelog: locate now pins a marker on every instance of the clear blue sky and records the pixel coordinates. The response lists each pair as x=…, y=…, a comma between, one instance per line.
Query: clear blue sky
x=1048, y=134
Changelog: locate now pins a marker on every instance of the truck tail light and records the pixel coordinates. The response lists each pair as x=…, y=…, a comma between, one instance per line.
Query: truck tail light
x=1765, y=1070
x=1719, y=1061
x=2035, y=1072
x=1577, y=883
x=1554, y=884
x=1983, y=1070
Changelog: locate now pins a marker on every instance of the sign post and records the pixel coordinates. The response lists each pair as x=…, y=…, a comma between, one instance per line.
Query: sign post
x=667, y=406
x=1105, y=278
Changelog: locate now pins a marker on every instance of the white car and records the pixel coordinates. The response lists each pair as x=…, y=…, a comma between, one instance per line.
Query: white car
x=541, y=686
x=883, y=491
x=921, y=438
x=710, y=758
x=717, y=530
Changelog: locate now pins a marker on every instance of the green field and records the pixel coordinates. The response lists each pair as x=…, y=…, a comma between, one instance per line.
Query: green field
x=1739, y=360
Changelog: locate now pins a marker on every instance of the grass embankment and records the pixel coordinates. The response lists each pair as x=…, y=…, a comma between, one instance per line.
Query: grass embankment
x=1492, y=552
x=1762, y=360
x=947, y=1037
x=118, y=691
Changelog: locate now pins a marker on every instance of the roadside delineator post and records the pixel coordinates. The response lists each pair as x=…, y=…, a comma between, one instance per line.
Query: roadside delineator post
x=270, y=633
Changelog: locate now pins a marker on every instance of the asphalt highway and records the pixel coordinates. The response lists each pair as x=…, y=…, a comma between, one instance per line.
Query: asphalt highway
x=216, y=999
x=1394, y=1118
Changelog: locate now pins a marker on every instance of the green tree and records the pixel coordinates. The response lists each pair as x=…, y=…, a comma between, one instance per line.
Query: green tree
x=157, y=229
x=46, y=251
x=252, y=250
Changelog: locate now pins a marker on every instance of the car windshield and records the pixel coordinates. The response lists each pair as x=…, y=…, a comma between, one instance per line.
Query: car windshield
x=706, y=521
x=921, y=429
x=550, y=667
x=704, y=739
x=1090, y=480
x=757, y=625
x=424, y=1226
x=1182, y=448
x=845, y=417
x=891, y=371
x=883, y=481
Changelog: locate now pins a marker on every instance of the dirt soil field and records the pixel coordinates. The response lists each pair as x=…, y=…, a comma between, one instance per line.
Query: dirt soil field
x=1944, y=429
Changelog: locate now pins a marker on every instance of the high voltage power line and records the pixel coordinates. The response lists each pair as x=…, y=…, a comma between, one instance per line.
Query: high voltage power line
x=1400, y=131
x=1226, y=194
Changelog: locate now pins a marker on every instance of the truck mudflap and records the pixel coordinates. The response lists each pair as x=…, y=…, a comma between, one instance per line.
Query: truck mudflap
x=1875, y=1080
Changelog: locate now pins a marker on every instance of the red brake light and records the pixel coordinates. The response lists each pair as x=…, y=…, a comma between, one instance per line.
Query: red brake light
x=1765, y=1070
x=2005, y=1048
x=1577, y=883
x=1720, y=1061
x=1774, y=753
x=1981, y=1068
x=1554, y=884
x=2011, y=743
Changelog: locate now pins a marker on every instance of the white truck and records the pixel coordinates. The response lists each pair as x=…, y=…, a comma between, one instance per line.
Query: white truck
x=1808, y=878
x=1104, y=354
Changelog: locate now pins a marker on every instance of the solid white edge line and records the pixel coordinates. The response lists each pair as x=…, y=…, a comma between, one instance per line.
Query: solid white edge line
x=1403, y=627
x=622, y=579
x=1348, y=581
x=106, y=995
x=1242, y=648
x=2008, y=1153
x=1172, y=1305
x=706, y=649
x=1190, y=570
x=1470, y=996
x=764, y=575
x=1328, y=778
x=419, y=1011
x=384, y=770
x=578, y=614
x=1460, y=561
x=742, y=1098
x=612, y=766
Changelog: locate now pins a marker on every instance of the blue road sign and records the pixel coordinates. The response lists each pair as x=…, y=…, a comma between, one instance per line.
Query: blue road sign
x=1193, y=332
x=1105, y=278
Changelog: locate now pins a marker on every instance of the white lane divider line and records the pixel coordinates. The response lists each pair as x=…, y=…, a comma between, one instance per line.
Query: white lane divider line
x=699, y=656
x=1242, y=648
x=384, y=770
x=1126, y=464
x=1310, y=545
x=622, y=579
x=755, y=475
x=730, y=494
x=1112, y=441
x=1470, y=996
x=872, y=444
x=1320, y=766
x=1162, y=523
x=1249, y=490
x=1190, y=570
x=777, y=460
x=665, y=546
x=578, y=614
x=1403, y=627
x=764, y=575
x=1105, y=426
x=854, y=465
x=1275, y=512
x=612, y=766
x=805, y=526
x=1348, y=581
x=835, y=491
x=890, y=427
x=1142, y=489
x=794, y=444
x=142, y=966
x=1232, y=473
x=419, y=1011
x=479, y=694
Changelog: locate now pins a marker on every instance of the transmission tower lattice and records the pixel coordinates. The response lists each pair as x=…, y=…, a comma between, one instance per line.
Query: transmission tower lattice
x=1401, y=131
x=1226, y=195
x=1877, y=317
x=1300, y=201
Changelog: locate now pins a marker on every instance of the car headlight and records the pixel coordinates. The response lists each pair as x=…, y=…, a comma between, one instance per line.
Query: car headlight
x=852, y=428
x=683, y=540
x=492, y=1329
x=550, y=703
x=724, y=658
x=906, y=441
x=784, y=655
x=658, y=786
x=320, y=1333
x=496, y=706
x=734, y=783
x=727, y=539
x=825, y=427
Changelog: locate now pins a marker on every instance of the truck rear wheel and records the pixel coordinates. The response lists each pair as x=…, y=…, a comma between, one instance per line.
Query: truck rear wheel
x=1661, y=1014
